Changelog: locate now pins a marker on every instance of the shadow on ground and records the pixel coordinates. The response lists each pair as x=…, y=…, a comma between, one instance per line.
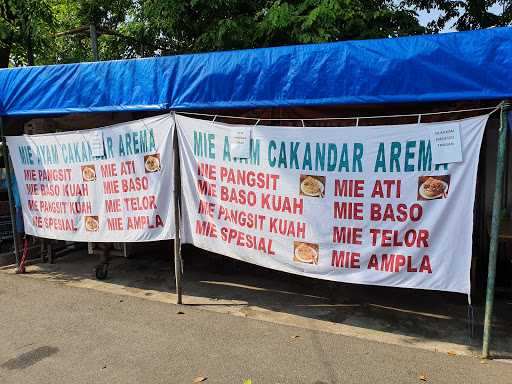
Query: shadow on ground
x=218, y=281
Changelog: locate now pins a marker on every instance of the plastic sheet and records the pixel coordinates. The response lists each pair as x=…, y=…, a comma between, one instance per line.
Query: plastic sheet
x=473, y=65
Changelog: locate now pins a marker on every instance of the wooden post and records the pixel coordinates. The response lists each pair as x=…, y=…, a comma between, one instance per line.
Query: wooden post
x=178, y=268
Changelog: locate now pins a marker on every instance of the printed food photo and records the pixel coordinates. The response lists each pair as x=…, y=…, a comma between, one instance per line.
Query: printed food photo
x=92, y=223
x=305, y=252
x=433, y=187
x=88, y=172
x=313, y=186
x=152, y=163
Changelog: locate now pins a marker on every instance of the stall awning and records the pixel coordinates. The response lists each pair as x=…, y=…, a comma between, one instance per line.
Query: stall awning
x=473, y=65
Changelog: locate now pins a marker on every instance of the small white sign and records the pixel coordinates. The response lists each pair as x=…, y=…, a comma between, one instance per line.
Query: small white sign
x=445, y=143
x=240, y=143
x=95, y=140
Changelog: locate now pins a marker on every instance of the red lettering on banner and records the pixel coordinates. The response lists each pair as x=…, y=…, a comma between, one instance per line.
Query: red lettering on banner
x=143, y=222
x=135, y=184
x=373, y=263
x=410, y=267
x=245, y=219
x=115, y=223
x=388, y=262
x=30, y=174
x=347, y=235
x=206, y=228
x=80, y=207
x=110, y=187
x=57, y=224
x=349, y=188
x=206, y=208
x=75, y=190
x=32, y=189
x=32, y=205
x=140, y=203
x=207, y=171
x=425, y=265
x=37, y=221
x=398, y=263
x=345, y=259
x=108, y=170
x=284, y=204
x=287, y=227
x=241, y=239
x=348, y=210
x=378, y=188
x=238, y=196
x=206, y=188
x=55, y=174
x=394, y=238
x=113, y=205
x=50, y=190
x=128, y=167
x=249, y=178
x=400, y=213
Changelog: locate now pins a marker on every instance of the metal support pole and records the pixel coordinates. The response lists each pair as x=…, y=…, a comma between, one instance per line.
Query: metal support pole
x=94, y=42
x=178, y=269
x=495, y=228
x=12, y=208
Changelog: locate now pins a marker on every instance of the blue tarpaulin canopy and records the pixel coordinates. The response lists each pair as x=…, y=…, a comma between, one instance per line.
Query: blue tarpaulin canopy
x=473, y=65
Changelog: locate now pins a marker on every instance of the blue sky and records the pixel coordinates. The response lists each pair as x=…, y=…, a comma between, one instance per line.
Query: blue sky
x=426, y=17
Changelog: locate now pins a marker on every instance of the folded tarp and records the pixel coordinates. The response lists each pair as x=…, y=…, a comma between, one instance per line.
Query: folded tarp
x=474, y=65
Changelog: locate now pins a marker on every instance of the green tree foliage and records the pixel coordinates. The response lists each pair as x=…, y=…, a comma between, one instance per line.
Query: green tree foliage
x=465, y=15
x=25, y=26
x=107, y=15
x=55, y=31
x=202, y=25
x=137, y=28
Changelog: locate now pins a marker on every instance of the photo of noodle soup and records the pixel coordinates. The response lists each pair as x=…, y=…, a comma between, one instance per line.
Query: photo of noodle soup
x=313, y=186
x=88, y=172
x=305, y=252
x=92, y=223
x=152, y=163
x=433, y=187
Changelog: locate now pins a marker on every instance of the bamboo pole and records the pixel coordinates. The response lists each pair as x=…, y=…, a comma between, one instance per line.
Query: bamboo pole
x=495, y=228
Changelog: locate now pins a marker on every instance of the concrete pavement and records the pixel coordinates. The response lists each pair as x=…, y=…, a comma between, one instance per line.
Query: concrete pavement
x=434, y=321
x=54, y=333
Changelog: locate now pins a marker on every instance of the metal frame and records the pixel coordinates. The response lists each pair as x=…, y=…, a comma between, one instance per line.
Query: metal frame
x=178, y=263
x=495, y=227
x=12, y=208
x=94, y=42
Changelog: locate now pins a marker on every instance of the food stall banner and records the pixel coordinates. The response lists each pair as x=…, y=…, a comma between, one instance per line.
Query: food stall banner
x=367, y=205
x=110, y=184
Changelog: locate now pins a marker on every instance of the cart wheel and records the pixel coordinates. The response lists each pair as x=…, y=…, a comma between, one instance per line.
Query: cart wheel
x=101, y=271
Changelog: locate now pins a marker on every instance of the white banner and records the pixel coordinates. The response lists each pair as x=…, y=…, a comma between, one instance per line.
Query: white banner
x=362, y=205
x=123, y=195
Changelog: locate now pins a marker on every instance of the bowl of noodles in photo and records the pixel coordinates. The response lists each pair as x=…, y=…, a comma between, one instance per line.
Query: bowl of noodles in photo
x=88, y=172
x=152, y=163
x=433, y=187
x=313, y=186
x=306, y=253
x=92, y=223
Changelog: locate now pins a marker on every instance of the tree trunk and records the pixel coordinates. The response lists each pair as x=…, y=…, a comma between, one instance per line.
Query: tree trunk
x=5, y=53
x=30, y=50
